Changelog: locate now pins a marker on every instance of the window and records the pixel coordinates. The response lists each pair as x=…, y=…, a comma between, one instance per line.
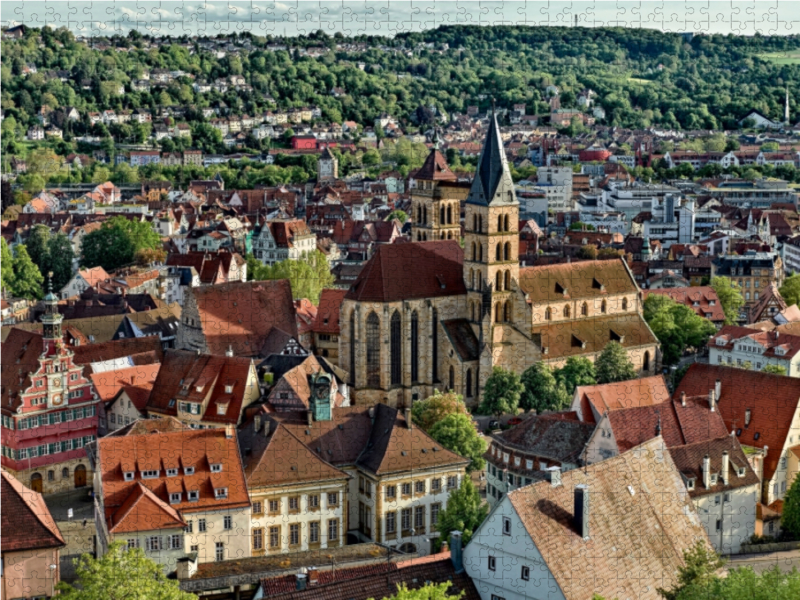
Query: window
x=492, y=563
x=294, y=503
x=294, y=534
x=175, y=498
x=419, y=487
x=603, y=307
x=497, y=597
x=274, y=506
x=414, y=346
x=133, y=543
x=258, y=539
x=193, y=496
x=201, y=525
x=435, y=345
x=221, y=493
x=313, y=532
x=529, y=465
x=624, y=304
x=352, y=348
x=175, y=541
x=258, y=508
x=333, y=499
x=188, y=470
x=333, y=530
x=452, y=482
x=506, y=526
x=548, y=314
x=391, y=522
x=227, y=523
x=436, y=485
x=406, y=489
x=405, y=520
x=172, y=472
x=719, y=524
x=313, y=502
x=435, y=509
x=220, y=551
x=216, y=468
x=373, y=351
x=396, y=349
x=419, y=518
x=149, y=474
x=152, y=543
x=526, y=573
x=274, y=537
x=128, y=475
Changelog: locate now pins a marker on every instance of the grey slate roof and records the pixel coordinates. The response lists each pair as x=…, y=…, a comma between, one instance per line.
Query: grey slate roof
x=492, y=183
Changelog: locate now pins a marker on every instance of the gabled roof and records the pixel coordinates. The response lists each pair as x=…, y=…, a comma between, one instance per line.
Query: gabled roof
x=142, y=511
x=330, y=304
x=274, y=456
x=463, y=338
x=646, y=391
x=632, y=549
x=26, y=521
x=576, y=281
x=492, y=184
x=688, y=296
x=770, y=296
x=109, y=383
x=414, y=270
x=771, y=399
x=689, y=461
x=558, y=436
x=435, y=168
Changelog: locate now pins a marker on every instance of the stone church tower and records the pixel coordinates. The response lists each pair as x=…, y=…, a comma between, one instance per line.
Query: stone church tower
x=327, y=166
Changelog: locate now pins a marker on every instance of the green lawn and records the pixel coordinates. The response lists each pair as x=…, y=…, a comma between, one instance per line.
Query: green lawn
x=791, y=57
x=637, y=80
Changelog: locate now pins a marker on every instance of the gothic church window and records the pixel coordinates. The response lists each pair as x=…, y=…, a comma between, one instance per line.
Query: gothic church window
x=396, y=348
x=373, y=351
x=414, y=346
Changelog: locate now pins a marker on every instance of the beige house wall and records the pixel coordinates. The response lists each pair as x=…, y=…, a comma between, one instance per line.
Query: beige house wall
x=28, y=574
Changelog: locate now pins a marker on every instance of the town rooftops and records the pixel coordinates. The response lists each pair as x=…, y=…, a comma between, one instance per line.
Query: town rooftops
x=628, y=534
x=689, y=461
x=769, y=400
x=435, y=168
x=26, y=521
x=558, y=436
x=647, y=391
x=410, y=271
x=137, y=381
x=702, y=300
x=575, y=281
x=771, y=344
x=327, y=318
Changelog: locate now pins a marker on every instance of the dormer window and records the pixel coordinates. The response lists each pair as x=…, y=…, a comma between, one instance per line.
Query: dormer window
x=516, y=461
x=712, y=302
x=740, y=472
x=690, y=484
x=713, y=479
x=720, y=341
x=222, y=409
x=128, y=475
x=221, y=493
x=216, y=468
x=149, y=474
x=188, y=470
x=229, y=388
x=199, y=389
x=193, y=496
x=172, y=472
x=174, y=498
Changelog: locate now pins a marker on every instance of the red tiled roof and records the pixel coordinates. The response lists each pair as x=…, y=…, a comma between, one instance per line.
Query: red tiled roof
x=118, y=349
x=587, y=279
x=415, y=270
x=772, y=400
x=26, y=521
x=768, y=340
x=703, y=295
x=20, y=357
x=330, y=304
x=142, y=510
x=241, y=315
x=435, y=168
x=646, y=391
x=109, y=383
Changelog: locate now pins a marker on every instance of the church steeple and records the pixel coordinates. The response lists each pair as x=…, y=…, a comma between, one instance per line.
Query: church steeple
x=492, y=184
x=51, y=319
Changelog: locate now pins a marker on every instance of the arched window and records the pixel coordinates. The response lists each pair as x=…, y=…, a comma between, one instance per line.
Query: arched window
x=472, y=279
x=373, y=351
x=507, y=251
x=449, y=214
x=548, y=314
x=507, y=311
x=414, y=346
x=505, y=224
x=624, y=304
x=474, y=251
x=469, y=384
x=584, y=310
x=480, y=252
x=646, y=362
x=474, y=222
x=566, y=311
x=498, y=285
x=441, y=215
x=480, y=222
x=498, y=312
x=65, y=473
x=419, y=213
x=425, y=214
x=603, y=307
x=452, y=378
x=353, y=348
x=498, y=252
x=51, y=475
x=499, y=222
x=396, y=348
x=507, y=284
x=435, y=348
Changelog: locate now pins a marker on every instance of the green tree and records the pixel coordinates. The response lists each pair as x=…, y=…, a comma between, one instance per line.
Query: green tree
x=37, y=246
x=116, y=243
x=457, y=432
x=28, y=280
x=465, y=511
x=614, y=365
x=700, y=567
x=542, y=391
x=426, y=413
x=6, y=265
x=676, y=326
x=398, y=214
x=774, y=369
x=121, y=574
x=576, y=371
x=730, y=298
x=60, y=257
x=588, y=252
x=790, y=290
x=790, y=520
x=429, y=591
x=309, y=275
x=744, y=583
x=502, y=392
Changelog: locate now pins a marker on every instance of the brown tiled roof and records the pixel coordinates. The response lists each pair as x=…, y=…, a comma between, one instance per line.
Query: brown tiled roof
x=384, y=585
x=587, y=279
x=646, y=391
x=640, y=522
x=118, y=349
x=435, y=168
x=463, y=338
x=558, y=437
x=330, y=304
x=26, y=521
x=689, y=461
x=241, y=315
x=586, y=336
x=768, y=340
x=20, y=357
x=407, y=271
x=772, y=400
x=274, y=456
x=284, y=232
x=183, y=372
x=109, y=383
x=152, y=425
x=159, y=451
x=143, y=510
x=689, y=295
x=272, y=586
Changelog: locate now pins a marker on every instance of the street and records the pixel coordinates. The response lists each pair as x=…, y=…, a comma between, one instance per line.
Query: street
x=786, y=560
x=79, y=537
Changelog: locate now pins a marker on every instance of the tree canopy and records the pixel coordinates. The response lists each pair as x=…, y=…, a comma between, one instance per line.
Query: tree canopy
x=676, y=326
x=542, y=391
x=24, y=280
x=426, y=413
x=309, y=274
x=577, y=371
x=51, y=253
x=730, y=298
x=464, y=512
x=614, y=365
x=429, y=591
x=790, y=290
x=502, y=392
x=457, y=432
x=116, y=243
x=790, y=519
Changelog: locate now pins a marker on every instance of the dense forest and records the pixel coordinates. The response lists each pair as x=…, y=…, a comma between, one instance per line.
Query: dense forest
x=642, y=77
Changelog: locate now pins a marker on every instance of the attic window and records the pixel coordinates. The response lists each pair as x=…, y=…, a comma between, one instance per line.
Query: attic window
x=757, y=435
x=194, y=496
x=149, y=474
x=560, y=289
x=615, y=337
x=441, y=282
x=221, y=493
x=597, y=285
x=128, y=475
x=222, y=409
x=199, y=388
x=713, y=479
x=577, y=342
x=172, y=472
x=229, y=388
x=175, y=498
x=216, y=468
x=690, y=484
x=172, y=403
x=740, y=471
x=188, y=470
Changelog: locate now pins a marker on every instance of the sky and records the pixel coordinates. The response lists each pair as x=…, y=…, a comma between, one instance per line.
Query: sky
x=212, y=17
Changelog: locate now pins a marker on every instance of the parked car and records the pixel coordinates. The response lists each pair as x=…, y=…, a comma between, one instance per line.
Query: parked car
x=494, y=424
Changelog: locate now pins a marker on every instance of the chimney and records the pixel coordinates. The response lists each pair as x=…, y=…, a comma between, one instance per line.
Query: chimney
x=313, y=576
x=582, y=510
x=718, y=390
x=706, y=471
x=456, y=551
x=309, y=418
x=554, y=476
x=409, y=424
x=301, y=581
x=712, y=401
x=683, y=398
x=725, y=467
x=133, y=379
x=229, y=351
x=747, y=415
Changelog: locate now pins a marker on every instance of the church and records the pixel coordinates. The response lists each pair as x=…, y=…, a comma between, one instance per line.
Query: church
x=442, y=311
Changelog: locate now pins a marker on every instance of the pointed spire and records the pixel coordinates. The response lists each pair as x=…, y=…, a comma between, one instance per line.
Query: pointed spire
x=492, y=175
